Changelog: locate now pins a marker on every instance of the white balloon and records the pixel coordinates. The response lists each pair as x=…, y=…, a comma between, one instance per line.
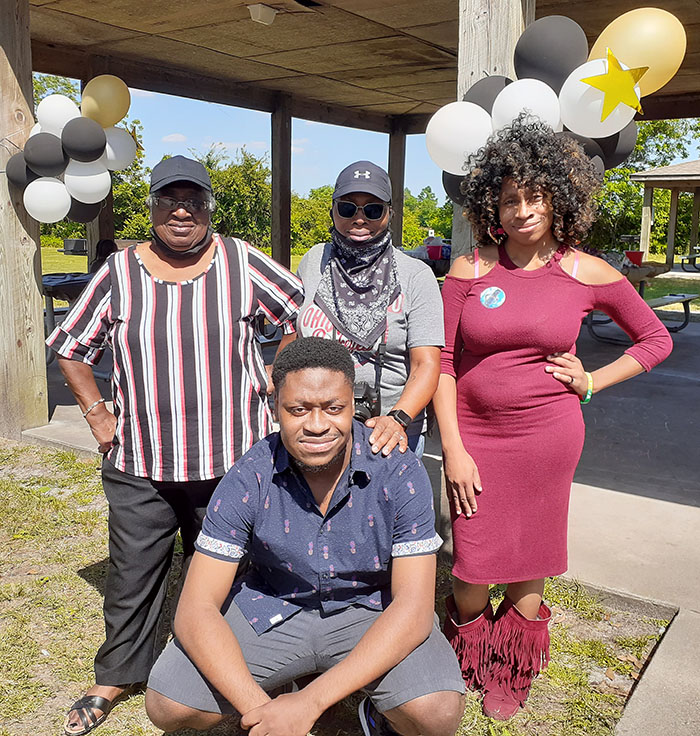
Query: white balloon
x=582, y=105
x=87, y=182
x=46, y=199
x=36, y=129
x=530, y=96
x=454, y=133
x=54, y=112
x=120, y=150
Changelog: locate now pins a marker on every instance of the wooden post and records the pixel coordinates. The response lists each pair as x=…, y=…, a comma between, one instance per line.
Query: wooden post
x=695, y=221
x=102, y=227
x=488, y=32
x=23, y=400
x=645, y=235
x=281, y=183
x=672, y=217
x=397, y=170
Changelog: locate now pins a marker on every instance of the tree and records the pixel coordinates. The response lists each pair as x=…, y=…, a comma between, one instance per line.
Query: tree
x=311, y=218
x=619, y=201
x=242, y=189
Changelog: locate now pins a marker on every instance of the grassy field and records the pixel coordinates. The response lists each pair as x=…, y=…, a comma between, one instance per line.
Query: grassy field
x=54, y=262
x=53, y=533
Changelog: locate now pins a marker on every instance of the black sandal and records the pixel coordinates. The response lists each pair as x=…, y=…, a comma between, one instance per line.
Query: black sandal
x=86, y=707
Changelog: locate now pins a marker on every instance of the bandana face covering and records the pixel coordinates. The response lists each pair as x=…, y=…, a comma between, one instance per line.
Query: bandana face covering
x=358, y=285
x=162, y=246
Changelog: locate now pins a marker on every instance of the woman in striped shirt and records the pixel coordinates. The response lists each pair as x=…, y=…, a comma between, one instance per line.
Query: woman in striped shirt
x=190, y=397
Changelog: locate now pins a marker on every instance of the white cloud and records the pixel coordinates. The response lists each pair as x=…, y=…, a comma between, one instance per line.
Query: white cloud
x=297, y=149
x=174, y=138
x=141, y=92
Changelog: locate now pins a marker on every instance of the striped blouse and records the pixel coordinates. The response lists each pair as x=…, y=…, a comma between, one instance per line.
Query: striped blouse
x=189, y=382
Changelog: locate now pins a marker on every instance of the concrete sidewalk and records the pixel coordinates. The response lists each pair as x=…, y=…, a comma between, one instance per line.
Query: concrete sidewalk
x=635, y=511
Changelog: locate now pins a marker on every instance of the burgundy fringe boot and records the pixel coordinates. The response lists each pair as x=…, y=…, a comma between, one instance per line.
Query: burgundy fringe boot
x=520, y=649
x=471, y=642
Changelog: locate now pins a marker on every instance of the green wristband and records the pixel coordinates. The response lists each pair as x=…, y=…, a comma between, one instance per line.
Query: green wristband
x=589, y=392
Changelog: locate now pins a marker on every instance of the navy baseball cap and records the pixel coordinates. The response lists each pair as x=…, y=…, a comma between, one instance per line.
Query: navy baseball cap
x=363, y=176
x=179, y=168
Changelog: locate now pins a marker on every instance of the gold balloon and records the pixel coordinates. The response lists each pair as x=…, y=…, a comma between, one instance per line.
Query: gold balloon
x=645, y=37
x=106, y=99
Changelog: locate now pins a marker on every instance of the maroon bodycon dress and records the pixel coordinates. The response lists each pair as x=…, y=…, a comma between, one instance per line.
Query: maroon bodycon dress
x=523, y=427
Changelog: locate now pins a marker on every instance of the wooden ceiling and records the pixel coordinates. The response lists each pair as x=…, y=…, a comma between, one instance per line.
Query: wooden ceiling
x=356, y=62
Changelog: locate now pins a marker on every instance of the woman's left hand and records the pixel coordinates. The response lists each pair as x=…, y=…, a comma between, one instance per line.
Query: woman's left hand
x=568, y=369
x=387, y=434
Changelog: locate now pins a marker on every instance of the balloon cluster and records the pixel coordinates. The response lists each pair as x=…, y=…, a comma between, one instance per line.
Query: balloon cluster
x=64, y=168
x=591, y=97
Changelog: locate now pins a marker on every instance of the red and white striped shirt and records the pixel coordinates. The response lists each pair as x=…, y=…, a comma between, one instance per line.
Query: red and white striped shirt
x=189, y=382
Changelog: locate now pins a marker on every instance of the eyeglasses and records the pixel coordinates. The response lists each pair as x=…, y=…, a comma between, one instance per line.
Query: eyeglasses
x=169, y=204
x=370, y=211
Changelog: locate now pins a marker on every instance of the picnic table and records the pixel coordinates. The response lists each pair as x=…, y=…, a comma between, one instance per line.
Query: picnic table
x=65, y=287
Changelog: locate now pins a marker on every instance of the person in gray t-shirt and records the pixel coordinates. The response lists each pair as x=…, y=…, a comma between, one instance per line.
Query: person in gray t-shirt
x=383, y=305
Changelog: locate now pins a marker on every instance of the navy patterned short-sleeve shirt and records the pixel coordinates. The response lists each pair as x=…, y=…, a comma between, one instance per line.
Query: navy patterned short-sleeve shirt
x=381, y=508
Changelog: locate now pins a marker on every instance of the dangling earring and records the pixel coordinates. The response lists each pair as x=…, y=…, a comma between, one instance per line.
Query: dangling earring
x=496, y=234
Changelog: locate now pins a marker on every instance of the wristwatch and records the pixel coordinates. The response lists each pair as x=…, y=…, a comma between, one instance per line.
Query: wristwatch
x=402, y=417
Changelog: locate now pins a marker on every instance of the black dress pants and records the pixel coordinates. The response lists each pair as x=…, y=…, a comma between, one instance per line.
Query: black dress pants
x=144, y=518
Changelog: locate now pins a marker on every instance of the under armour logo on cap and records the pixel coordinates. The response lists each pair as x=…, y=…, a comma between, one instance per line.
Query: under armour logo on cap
x=363, y=176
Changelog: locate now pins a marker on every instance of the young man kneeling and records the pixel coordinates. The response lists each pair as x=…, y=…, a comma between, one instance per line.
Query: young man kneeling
x=342, y=549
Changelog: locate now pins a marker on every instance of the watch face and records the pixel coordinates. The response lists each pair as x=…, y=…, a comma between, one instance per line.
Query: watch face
x=401, y=417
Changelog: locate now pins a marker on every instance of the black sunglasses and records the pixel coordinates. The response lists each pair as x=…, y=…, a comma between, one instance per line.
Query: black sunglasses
x=371, y=211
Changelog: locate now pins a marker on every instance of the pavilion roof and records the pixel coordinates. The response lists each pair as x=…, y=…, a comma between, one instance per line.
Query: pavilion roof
x=685, y=176
x=355, y=62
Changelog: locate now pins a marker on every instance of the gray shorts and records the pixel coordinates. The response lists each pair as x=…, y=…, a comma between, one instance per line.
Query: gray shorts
x=304, y=644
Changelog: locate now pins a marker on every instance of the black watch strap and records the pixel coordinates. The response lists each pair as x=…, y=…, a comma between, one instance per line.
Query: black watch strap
x=402, y=417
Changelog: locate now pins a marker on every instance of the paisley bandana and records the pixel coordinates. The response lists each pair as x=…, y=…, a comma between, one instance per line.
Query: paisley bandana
x=358, y=285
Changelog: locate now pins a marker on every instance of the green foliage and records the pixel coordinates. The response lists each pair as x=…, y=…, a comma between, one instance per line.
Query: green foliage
x=619, y=202
x=242, y=190
x=49, y=84
x=311, y=218
x=51, y=241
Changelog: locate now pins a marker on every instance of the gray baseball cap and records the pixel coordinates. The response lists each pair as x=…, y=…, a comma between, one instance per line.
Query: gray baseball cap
x=363, y=176
x=179, y=168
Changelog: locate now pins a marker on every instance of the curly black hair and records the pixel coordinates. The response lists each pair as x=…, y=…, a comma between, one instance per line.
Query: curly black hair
x=536, y=158
x=312, y=352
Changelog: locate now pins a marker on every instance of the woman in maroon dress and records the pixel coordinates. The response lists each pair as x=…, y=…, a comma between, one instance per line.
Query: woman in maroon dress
x=510, y=391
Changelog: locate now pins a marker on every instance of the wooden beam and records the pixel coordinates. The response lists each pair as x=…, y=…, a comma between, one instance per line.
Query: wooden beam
x=488, y=33
x=663, y=107
x=281, y=183
x=23, y=394
x=672, y=219
x=645, y=235
x=101, y=228
x=142, y=74
x=695, y=221
x=397, y=171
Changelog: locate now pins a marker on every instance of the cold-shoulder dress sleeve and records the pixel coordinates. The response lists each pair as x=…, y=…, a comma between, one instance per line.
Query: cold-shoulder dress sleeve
x=620, y=300
x=454, y=292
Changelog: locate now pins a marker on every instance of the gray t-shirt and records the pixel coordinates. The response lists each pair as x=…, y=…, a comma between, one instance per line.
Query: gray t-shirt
x=414, y=320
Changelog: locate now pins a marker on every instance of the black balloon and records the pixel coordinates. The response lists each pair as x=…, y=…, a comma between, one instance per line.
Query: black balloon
x=83, y=139
x=616, y=148
x=549, y=50
x=44, y=155
x=485, y=91
x=82, y=212
x=451, y=183
x=590, y=148
x=18, y=173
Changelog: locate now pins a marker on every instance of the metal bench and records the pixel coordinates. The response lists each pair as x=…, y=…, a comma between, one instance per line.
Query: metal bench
x=692, y=260
x=592, y=321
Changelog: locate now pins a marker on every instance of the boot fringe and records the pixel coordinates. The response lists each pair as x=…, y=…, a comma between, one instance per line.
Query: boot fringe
x=520, y=648
x=471, y=642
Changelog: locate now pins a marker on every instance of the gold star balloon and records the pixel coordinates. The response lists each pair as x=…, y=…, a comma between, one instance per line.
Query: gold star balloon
x=617, y=84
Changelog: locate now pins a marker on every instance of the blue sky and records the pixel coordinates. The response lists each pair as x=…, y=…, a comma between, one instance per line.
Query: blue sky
x=175, y=125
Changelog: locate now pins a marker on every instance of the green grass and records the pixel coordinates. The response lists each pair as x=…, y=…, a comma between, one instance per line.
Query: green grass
x=54, y=540
x=54, y=262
